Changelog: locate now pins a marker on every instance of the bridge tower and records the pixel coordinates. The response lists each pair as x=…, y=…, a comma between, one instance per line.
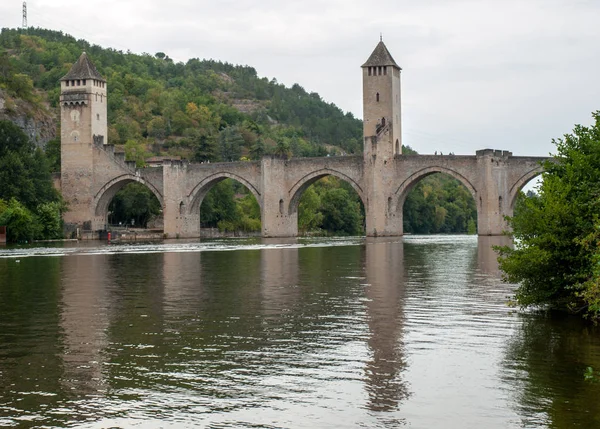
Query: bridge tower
x=83, y=122
x=382, y=133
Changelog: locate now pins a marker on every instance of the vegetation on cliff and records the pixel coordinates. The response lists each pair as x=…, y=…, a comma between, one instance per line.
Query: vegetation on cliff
x=201, y=110
x=556, y=259
x=29, y=205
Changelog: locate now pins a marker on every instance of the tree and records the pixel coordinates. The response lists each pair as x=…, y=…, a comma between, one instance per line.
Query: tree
x=230, y=144
x=310, y=217
x=135, y=201
x=24, y=171
x=341, y=215
x=556, y=259
x=20, y=222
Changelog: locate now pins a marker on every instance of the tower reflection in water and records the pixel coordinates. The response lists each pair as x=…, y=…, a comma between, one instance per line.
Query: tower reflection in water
x=85, y=318
x=385, y=290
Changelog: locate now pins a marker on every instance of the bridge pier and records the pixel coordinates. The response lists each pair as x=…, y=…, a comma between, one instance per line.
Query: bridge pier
x=180, y=220
x=278, y=217
x=493, y=193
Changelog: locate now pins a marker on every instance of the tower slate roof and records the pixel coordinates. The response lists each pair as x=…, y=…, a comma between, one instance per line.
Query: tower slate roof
x=381, y=57
x=83, y=69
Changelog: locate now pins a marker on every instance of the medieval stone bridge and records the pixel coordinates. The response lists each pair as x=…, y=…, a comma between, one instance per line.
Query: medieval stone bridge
x=494, y=178
x=92, y=173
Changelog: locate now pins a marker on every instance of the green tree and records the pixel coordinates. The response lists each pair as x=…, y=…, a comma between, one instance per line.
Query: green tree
x=20, y=222
x=341, y=215
x=49, y=219
x=135, y=201
x=310, y=216
x=135, y=151
x=24, y=171
x=53, y=154
x=230, y=144
x=557, y=234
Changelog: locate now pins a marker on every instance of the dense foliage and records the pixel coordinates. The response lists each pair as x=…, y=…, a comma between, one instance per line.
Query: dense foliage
x=202, y=110
x=29, y=206
x=556, y=259
x=134, y=205
x=439, y=204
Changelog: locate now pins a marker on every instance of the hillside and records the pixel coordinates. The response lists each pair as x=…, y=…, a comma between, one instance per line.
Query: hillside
x=206, y=110
x=201, y=110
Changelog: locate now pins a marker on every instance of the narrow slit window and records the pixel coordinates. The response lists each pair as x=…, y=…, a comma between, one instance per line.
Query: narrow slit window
x=377, y=97
x=280, y=206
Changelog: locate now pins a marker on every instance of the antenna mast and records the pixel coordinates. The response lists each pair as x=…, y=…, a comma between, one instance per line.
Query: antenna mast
x=24, y=14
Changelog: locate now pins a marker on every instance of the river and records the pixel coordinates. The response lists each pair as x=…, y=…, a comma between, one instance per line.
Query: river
x=307, y=333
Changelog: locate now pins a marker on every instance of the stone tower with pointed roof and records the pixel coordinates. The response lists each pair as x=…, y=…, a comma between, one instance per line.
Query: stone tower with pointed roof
x=83, y=116
x=382, y=134
x=381, y=101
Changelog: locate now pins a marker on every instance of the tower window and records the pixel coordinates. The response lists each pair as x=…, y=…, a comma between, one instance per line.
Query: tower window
x=281, y=206
x=98, y=116
x=369, y=71
x=78, y=82
x=377, y=97
x=67, y=82
x=83, y=82
x=384, y=70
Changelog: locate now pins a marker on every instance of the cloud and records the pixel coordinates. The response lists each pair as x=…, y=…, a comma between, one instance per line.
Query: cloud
x=476, y=73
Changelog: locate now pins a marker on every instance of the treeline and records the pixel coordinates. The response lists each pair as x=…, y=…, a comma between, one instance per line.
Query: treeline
x=439, y=204
x=201, y=110
x=29, y=205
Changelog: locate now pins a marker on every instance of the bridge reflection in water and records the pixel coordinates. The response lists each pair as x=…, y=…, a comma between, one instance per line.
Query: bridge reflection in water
x=368, y=332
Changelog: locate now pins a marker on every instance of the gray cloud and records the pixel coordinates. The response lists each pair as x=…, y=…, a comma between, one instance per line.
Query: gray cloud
x=476, y=73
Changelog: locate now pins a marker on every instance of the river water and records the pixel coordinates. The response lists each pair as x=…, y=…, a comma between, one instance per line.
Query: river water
x=323, y=333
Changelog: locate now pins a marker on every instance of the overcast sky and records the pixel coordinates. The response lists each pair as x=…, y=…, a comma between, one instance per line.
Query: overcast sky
x=503, y=74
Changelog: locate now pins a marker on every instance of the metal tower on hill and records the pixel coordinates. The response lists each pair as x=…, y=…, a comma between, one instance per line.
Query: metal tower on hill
x=24, y=25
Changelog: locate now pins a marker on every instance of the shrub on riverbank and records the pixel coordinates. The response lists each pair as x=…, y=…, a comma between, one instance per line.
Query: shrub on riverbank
x=556, y=259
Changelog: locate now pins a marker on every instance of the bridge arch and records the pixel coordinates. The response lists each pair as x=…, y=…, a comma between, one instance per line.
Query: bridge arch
x=406, y=186
x=197, y=195
x=105, y=195
x=521, y=182
x=302, y=184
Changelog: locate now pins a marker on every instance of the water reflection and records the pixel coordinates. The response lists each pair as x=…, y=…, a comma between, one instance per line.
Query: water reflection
x=487, y=257
x=385, y=291
x=279, y=274
x=85, y=314
x=378, y=333
x=545, y=360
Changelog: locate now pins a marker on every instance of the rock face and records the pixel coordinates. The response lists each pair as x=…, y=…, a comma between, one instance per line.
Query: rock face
x=38, y=123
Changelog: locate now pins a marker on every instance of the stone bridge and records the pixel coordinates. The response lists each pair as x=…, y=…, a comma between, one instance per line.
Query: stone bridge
x=92, y=173
x=493, y=177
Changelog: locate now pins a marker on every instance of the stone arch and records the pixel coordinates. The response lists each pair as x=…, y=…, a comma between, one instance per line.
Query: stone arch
x=105, y=195
x=406, y=186
x=520, y=183
x=300, y=186
x=201, y=189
